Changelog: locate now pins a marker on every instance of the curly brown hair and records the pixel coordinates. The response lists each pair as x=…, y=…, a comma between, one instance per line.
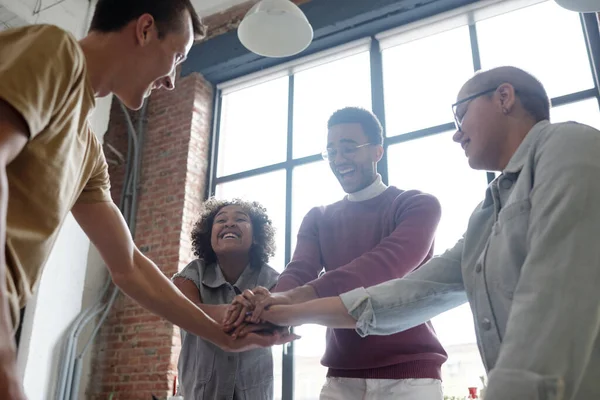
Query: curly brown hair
x=263, y=246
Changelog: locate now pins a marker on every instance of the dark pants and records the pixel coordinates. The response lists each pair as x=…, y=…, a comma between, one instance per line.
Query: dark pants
x=18, y=333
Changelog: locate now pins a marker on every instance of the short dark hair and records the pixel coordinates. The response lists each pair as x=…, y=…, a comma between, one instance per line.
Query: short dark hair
x=356, y=115
x=528, y=88
x=262, y=227
x=114, y=15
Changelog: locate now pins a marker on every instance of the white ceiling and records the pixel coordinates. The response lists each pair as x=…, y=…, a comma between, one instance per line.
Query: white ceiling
x=11, y=9
x=209, y=7
x=8, y=19
x=68, y=14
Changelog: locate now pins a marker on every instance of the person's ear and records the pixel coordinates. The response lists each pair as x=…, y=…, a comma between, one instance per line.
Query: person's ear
x=144, y=27
x=378, y=153
x=506, y=97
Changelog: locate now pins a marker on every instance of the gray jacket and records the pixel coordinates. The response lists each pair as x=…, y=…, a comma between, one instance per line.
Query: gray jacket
x=529, y=265
x=205, y=371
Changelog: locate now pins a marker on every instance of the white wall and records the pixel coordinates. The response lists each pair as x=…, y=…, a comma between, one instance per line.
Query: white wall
x=71, y=15
x=74, y=274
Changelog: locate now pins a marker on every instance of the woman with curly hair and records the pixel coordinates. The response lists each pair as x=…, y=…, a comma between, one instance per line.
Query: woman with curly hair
x=233, y=241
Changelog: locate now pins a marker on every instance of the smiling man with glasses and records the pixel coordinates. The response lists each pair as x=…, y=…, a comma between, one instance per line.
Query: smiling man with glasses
x=348, y=162
x=529, y=262
x=375, y=234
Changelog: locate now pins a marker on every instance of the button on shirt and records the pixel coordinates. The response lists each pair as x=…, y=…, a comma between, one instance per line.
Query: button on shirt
x=529, y=265
x=205, y=371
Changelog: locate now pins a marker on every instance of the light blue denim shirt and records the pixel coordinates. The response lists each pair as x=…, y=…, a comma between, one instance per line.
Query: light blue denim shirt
x=205, y=371
x=529, y=265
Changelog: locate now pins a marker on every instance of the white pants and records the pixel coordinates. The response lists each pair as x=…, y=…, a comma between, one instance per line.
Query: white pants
x=381, y=389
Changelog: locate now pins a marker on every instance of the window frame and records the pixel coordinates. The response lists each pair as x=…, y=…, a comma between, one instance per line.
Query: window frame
x=591, y=32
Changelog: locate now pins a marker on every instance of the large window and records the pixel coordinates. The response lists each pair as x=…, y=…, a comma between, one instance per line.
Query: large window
x=271, y=129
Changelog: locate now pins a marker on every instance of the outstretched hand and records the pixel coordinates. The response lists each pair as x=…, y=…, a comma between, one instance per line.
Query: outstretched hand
x=261, y=328
x=253, y=340
x=265, y=303
x=241, y=305
x=243, y=321
x=249, y=306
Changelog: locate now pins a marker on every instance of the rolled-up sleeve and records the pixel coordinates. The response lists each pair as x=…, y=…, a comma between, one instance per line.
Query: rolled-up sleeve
x=554, y=321
x=404, y=303
x=359, y=306
x=191, y=272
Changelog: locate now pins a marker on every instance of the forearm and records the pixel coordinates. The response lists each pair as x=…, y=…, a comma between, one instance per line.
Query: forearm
x=328, y=311
x=214, y=311
x=146, y=284
x=404, y=303
x=301, y=294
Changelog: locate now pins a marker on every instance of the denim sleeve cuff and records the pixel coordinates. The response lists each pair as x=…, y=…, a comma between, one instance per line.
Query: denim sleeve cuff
x=520, y=384
x=359, y=306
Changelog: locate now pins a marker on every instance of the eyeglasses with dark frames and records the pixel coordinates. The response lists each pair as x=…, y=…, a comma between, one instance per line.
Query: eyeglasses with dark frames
x=457, y=119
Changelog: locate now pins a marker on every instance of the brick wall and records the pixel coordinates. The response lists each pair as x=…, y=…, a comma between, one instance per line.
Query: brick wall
x=136, y=352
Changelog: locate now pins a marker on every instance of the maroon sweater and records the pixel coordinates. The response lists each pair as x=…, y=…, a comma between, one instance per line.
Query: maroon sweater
x=361, y=244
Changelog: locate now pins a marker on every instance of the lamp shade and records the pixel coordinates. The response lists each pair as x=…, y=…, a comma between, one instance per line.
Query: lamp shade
x=275, y=28
x=582, y=6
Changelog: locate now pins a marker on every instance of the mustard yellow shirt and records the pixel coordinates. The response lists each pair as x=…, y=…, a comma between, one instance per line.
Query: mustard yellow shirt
x=43, y=76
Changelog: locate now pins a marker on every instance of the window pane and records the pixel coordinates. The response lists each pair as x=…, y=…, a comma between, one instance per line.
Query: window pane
x=585, y=112
x=253, y=122
x=438, y=166
x=268, y=190
x=418, y=92
x=545, y=40
x=320, y=91
x=313, y=185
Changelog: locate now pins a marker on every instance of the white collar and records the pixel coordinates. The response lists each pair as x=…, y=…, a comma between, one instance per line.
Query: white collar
x=371, y=191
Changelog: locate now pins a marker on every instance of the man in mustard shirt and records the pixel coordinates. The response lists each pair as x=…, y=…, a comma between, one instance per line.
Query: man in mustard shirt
x=51, y=162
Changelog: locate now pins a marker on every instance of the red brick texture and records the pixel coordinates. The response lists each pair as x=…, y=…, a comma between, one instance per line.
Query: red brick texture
x=136, y=352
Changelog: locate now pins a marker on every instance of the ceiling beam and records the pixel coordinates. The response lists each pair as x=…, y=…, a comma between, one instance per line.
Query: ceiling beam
x=334, y=22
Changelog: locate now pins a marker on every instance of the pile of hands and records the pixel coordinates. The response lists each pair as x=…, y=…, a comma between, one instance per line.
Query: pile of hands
x=253, y=311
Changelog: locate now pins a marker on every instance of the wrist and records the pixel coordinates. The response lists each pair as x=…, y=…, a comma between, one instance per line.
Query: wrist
x=285, y=315
x=226, y=342
x=223, y=340
x=299, y=314
x=206, y=327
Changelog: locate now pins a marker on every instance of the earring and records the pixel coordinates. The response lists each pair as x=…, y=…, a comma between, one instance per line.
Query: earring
x=505, y=111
